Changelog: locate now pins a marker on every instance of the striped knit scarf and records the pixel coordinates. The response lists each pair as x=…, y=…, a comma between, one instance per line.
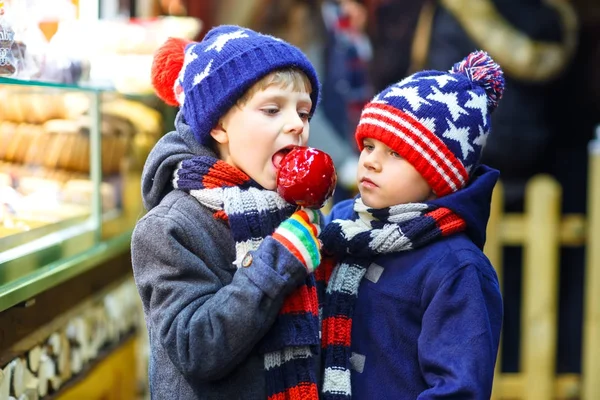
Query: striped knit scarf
x=252, y=214
x=353, y=244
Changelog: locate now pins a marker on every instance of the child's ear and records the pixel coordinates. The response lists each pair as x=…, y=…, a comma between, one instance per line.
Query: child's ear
x=220, y=134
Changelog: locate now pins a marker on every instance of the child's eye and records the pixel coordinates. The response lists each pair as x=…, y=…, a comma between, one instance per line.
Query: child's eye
x=395, y=155
x=368, y=147
x=270, y=110
x=304, y=116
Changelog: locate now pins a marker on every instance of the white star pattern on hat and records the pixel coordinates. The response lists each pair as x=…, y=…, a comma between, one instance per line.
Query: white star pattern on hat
x=481, y=139
x=428, y=122
x=189, y=57
x=450, y=100
x=441, y=80
x=411, y=95
x=406, y=81
x=478, y=102
x=201, y=75
x=461, y=135
x=222, y=40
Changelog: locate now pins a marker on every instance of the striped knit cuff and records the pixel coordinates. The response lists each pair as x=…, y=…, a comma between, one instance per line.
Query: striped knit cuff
x=299, y=235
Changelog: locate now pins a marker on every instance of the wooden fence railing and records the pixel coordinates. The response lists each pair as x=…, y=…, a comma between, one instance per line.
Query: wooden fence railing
x=541, y=230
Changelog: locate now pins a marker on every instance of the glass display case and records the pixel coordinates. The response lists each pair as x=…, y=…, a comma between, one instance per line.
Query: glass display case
x=70, y=166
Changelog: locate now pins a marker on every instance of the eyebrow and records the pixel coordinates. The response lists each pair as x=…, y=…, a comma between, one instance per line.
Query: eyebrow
x=281, y=97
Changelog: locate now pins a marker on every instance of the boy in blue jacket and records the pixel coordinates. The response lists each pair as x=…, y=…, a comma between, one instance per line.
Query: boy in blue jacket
x=222, y=263
x=413, y=308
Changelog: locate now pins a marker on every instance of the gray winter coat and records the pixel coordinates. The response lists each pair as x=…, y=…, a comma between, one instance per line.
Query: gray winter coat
x=204, y=316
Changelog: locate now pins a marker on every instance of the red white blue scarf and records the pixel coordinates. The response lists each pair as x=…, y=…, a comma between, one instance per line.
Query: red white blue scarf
x=252, y=214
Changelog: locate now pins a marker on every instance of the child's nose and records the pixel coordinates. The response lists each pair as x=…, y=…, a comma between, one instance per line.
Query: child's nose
x=294, y=125
x=371, y=162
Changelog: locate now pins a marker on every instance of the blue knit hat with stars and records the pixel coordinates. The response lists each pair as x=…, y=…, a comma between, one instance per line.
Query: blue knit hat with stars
x=218, y=71
x=438, y=121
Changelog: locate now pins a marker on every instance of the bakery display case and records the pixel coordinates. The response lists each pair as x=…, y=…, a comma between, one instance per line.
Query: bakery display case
x=70, y=166
x=78, y=117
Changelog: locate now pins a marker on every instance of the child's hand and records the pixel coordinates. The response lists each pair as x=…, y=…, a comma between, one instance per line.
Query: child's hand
x=299, y=235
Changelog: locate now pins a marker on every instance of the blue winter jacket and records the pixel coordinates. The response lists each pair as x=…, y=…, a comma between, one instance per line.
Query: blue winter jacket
x=427, y=321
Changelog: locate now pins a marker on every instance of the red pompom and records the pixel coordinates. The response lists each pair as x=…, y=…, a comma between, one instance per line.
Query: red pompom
x=168, y=61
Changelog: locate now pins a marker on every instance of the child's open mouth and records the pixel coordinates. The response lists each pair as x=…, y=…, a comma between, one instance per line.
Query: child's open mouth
x=277, y=157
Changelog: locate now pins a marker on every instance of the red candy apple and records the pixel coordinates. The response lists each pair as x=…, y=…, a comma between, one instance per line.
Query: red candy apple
x=306, y=177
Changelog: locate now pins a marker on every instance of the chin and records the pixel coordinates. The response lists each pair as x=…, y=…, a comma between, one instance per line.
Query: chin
x=375, y=203
x=268, y=183
x=369, y=202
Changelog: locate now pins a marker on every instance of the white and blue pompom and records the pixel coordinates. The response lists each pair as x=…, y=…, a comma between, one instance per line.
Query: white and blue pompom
x=482, y=70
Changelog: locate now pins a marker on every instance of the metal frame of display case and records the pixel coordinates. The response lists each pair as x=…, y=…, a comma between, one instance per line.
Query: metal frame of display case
x=36, y=260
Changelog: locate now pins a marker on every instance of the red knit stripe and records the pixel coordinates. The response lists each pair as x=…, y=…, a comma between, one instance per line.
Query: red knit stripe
x=290, y=246
x=323, y=273
x=221, y=214
x=304, y=391
x=447, y=221
x=222, y=174
x=438, y=152
x=336, y=331
x=304, y=299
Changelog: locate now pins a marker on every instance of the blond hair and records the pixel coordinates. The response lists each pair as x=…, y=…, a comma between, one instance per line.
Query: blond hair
x=283, y=78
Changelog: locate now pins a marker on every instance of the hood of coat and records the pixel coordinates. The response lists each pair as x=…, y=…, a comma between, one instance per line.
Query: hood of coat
x=167, y=153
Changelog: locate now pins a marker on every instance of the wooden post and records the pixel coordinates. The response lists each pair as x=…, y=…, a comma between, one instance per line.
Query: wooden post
x=591, y=322
x=493, y=251
x=540, y=287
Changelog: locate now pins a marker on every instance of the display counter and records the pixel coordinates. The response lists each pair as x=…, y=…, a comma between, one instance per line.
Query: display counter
x=70, y=166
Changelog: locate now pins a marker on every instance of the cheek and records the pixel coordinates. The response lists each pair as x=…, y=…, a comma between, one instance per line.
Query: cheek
x=305, y=135
x=421, y=183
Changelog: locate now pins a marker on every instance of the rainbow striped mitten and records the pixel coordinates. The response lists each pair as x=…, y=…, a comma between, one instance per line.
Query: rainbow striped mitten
x=299, y=235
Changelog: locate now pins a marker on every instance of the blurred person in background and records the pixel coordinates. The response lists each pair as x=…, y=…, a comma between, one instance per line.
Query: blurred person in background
x=332, y=34
x=392, y=26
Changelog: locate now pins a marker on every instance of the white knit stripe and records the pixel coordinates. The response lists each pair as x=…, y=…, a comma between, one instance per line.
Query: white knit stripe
x=278, y=358
x=266, y=200
x=363, y=211
x=389, y=239
x=346, y=278
x=337, y=381
x=429, y=141
x=401, y=245
x=350, y=228
x=233, y=200
x=406, y=212
x=260, y=200
x=211, y=198
x=396, y=219
x=299, y=246
x=237, y=199
x=414, y=145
